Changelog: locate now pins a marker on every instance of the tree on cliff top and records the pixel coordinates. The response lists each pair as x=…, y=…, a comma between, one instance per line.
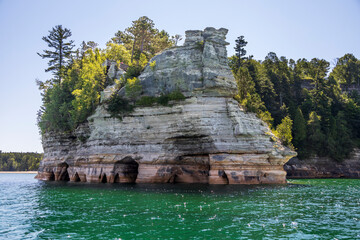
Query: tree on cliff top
x=60, y=52
x=143, y=38
x=240, y=51
x=347, y=70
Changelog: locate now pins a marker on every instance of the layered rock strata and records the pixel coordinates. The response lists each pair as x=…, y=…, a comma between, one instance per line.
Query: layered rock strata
x=324, y=167
x=206, y=138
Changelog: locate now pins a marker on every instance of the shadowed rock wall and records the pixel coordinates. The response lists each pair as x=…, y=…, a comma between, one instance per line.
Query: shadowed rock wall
x=324, y=167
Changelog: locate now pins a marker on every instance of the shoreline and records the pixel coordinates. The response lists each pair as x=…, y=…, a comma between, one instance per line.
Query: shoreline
x=30, y=172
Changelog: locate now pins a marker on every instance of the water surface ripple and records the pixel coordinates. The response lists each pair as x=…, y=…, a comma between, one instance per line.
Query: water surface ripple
x=303, y=209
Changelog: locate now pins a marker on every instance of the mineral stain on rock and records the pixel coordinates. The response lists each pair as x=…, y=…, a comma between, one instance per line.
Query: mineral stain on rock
x=205, y=138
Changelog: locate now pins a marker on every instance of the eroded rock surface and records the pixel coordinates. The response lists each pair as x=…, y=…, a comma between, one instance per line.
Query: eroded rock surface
x=206, y=138
x=324, y=167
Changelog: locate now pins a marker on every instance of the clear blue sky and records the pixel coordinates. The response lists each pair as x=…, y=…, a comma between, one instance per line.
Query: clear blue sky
x=296, y=29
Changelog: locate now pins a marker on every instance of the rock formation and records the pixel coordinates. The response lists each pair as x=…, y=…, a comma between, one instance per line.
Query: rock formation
x=317, y=167
x=206, y=138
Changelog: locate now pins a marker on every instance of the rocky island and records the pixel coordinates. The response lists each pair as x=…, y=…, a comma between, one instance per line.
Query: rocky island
x=206, y=137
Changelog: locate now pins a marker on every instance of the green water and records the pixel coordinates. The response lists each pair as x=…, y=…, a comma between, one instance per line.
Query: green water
x=304, y=209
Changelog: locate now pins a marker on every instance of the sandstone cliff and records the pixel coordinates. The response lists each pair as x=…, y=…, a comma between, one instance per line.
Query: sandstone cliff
x=206, y=138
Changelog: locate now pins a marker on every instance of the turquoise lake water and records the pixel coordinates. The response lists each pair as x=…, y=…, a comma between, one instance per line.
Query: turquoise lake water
x=303, y=209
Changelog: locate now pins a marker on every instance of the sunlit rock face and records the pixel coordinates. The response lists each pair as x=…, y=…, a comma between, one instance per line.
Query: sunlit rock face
x=206, y=138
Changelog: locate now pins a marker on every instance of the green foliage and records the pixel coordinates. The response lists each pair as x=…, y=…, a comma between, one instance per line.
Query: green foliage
x=163, y=100
x=283, y=131
x=200, y=45
x=60, y=53
x=299, y=129
x=315, y=138
x=339, y=141
x=147, y=101
x=91, y=81
x=133, y=88
x=117, y=52
x=118, y=106
x=55, y=112
x=143, y=38
x=73, y=96
x=153, y=65
x=266, y=117
x=244, y=82
x=240, y=51
x=133, y=71
x=347, y=70
x=325, y=118
x=176, y=96
x=14, y=161
x=142, y=61
x=70, y=102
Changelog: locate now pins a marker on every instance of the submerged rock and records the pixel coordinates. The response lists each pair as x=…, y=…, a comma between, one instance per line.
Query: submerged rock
x=205, y=138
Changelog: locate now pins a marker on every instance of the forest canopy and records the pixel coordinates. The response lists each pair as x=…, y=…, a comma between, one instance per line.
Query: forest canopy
x=310, y=108
x=15, y=161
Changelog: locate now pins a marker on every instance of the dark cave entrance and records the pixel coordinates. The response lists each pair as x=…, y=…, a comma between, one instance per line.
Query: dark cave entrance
x=52, y=176
x=76, y=177
x=103, y=178
x=224, y=176
x=63, y=175
x=126, y=170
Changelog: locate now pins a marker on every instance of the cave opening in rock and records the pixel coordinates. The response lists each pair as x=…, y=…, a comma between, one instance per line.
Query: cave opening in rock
x=63, y=175
x=76, y=177
x=52, y=177
x=126, y=170
x=116, y=178
x=103, y=178
x=224, y=176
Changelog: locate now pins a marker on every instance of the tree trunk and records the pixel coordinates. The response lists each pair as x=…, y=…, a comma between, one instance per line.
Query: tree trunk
x=132, y=51
x=60, y=61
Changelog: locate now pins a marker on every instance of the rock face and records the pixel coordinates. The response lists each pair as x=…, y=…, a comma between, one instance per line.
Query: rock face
x=324, y=167
x=206, y=138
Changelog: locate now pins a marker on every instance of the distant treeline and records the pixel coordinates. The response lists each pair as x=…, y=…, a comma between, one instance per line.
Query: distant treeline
x=15, y=161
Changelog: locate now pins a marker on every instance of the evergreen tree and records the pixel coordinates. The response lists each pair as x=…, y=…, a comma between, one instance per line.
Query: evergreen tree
x=244, y=82
x=283, y=131
x=15, y=161
x=143, y=38
x=84, y=46
x=240, y=51
x=316, y=138
x=60, y=52
x=340, y=143
x=299, y=129
x=347, y=70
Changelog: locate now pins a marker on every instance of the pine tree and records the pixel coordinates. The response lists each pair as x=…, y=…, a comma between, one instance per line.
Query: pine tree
x=240, y=51
x=61, y=50
x=299, y=129
x=340, y=143
x=316, y=138
x=283, y=131
x=244, y=82
x=347, y=70
x=143, y=38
